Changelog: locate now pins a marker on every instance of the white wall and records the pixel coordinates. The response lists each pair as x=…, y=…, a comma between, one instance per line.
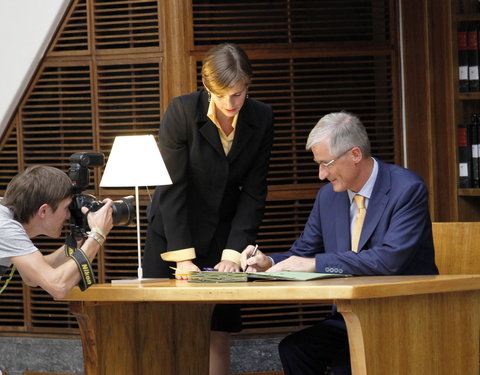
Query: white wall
x=26, y=28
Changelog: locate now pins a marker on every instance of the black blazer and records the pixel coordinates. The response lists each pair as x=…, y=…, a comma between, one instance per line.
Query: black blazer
x=213, y=196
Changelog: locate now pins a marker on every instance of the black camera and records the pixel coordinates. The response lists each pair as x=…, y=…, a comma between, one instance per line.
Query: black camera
x=123, y=212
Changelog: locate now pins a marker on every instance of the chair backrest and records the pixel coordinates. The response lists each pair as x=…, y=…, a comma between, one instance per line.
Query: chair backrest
x=457, y=247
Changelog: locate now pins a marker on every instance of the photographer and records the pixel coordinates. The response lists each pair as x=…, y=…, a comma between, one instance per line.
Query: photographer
x=36, y=202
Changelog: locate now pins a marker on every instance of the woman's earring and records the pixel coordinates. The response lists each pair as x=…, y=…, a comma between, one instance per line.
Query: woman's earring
x=209, y=96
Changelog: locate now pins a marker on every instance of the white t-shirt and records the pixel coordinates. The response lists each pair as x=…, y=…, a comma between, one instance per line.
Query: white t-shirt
x=14, y=240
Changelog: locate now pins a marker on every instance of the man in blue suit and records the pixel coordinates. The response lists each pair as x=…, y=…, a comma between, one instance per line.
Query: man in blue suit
x=395, y=237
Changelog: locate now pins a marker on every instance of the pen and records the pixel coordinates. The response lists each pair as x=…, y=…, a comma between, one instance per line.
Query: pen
x=252, y=254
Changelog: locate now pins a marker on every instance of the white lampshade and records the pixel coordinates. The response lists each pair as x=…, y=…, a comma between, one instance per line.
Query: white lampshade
x=135, y=161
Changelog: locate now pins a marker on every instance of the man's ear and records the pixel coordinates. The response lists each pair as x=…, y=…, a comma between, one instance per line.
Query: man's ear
x=357, y=154
x=42, y=210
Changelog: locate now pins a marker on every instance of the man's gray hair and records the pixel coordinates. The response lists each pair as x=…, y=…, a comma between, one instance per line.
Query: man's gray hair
x=343, y=131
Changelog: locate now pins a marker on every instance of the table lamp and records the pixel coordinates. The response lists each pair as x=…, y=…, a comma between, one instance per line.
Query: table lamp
x=135, y=161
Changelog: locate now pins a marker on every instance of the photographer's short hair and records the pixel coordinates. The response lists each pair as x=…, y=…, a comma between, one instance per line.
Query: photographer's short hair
x=33, y=187
x=343, y=130
x=224, y=66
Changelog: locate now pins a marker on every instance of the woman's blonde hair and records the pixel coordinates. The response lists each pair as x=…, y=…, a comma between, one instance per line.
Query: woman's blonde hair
x=224, y=66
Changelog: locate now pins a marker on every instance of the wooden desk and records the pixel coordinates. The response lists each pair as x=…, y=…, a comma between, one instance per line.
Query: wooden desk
x=426, y=325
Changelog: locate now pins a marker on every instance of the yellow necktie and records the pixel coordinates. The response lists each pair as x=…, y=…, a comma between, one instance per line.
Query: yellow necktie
x=357, y=226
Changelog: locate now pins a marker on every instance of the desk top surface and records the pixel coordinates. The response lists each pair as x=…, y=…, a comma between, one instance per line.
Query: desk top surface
x=276, y=291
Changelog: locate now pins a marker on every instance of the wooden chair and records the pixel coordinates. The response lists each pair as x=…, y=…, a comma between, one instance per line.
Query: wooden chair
x=457, y=247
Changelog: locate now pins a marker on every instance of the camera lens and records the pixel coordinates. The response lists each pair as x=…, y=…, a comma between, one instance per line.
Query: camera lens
x=123, y=212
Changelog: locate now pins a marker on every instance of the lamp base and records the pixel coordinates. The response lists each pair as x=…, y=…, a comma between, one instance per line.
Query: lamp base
x=139, y=281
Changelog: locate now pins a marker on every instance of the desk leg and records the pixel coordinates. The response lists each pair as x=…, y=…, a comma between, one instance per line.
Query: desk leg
x=144, y=338
x=430, y=334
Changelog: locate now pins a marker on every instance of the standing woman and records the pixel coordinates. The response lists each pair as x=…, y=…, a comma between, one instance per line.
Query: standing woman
x=216, y=145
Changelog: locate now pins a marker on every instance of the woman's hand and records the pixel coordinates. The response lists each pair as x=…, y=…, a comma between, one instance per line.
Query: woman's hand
x=183, y=269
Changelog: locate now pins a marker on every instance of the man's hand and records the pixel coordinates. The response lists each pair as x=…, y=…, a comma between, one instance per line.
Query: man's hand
x=259, y=262
x=183, y=269
x=227, y=266
x=295, y=263
x=101, y=219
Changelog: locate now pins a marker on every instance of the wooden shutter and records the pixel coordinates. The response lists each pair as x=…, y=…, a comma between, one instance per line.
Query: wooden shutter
x=128, y=104
x=281, y=318
x=9, y=155
x=46, y=314
x=128, y=100
x=12, y=313
x=126, y=24
x=290, y=21
x=72, y=37
x=57, y=116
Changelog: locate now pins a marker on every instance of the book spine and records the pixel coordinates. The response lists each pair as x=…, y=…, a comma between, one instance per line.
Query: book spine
x=462, y=57
x=475, y=155
x=463, y=157
x=472, y=45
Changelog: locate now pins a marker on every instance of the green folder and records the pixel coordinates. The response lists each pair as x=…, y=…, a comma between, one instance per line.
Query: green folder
x=229, y=277
x=292, y=275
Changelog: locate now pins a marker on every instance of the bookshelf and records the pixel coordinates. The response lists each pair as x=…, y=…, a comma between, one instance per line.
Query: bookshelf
x=467, y=12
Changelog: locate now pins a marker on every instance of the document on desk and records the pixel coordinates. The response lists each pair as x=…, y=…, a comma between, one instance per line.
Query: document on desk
x=229, y=277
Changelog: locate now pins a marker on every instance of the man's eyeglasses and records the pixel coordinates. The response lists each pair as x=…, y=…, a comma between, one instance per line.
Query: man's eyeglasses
x=329, y=164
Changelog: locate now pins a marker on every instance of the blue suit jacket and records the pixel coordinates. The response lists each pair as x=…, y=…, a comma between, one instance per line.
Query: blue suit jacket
x=396, y=237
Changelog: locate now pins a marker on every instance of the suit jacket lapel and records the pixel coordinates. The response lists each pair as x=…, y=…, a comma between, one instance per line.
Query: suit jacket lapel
x=342, y=221
x=377, y=203
x=210, y=133
x=244, y=131
x=206, y=127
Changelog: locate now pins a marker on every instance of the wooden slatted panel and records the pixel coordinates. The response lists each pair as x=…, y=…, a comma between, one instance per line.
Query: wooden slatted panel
x=274, y=84
x=128, y=101
x=56, y=122
x=282, y=223
x=12, y=313
x=126, y=24
x=57, y=116
x=128, y=104
x=9, y=156
x=281, y=318
x=120, y=253
x=290, y=21
x=302, y=90
x=46, y=314
x=73, y=35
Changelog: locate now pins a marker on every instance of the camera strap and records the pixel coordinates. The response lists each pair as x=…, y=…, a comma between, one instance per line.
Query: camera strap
x=8, y=279
x=87, y=277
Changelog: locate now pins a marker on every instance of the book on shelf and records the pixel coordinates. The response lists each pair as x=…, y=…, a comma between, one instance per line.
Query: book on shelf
x=462, y=46
x=468, y=144
x=474, y=136
x=464, y=157
x=468, y=41
x=472, y=47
